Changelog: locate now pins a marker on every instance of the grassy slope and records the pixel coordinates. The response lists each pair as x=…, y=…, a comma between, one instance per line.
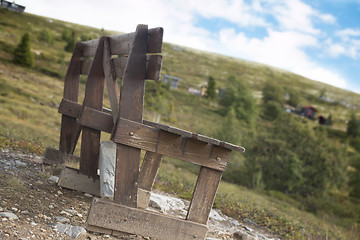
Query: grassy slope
x=29, y=99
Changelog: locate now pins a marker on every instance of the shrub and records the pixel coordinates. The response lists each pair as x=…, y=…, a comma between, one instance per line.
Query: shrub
x=22, y=53
x=46, y=36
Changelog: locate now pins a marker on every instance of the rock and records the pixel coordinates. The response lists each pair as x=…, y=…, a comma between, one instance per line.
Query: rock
x=9, y=215
x=107, y=160
x=69, y=230
x=88, y=195
x=1, y=209
x=240, y=235
x=212, y=239
x=60, y=219
x=25, y=212
x=54, y=179
x=66, y=213
x=215, y=215
x=165, y=203
x=72, y=211
x=20, y=163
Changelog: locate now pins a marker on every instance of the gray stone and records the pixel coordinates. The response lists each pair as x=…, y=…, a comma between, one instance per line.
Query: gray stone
x=9, y=215
x=165, y=203
x=20, y=163
x=54, y=179
x=69, y=230
x=107, y=161
x=72, y=211
x=60, y=219
x=1, y=209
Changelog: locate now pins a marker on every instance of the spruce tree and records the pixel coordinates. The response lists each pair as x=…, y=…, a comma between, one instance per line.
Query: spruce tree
x=211, y=91
x=22, y=53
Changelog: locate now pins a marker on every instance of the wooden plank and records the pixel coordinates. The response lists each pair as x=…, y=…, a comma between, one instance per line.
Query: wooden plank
x=109, y=215
x=131, y=107
x=149, y=170
x=52, y=156
x=121, y=44
x=155, y=40
x=94, y=94
x=89, y=48
x=120, y=65
x=70, y=108
x=153, y=66
x=85, y=66
x=73, y=179
x=96, y=119
x=147, y=138
x=204, y=195
x=71, y=92
x=111, y=83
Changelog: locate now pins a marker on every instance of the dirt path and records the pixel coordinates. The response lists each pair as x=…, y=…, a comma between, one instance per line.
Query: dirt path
x=37, y=204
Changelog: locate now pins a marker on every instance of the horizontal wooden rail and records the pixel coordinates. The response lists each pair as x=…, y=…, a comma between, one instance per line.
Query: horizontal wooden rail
x=153, y=66
x=73, y=109
x=121, y=44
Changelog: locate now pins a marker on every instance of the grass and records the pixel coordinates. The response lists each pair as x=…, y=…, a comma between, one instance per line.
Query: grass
x=29, y=121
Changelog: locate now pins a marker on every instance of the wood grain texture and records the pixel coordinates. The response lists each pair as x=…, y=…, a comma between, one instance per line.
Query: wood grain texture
x=70, y=108
x=169, y=144
x=111, y=83
x=149, y=170
x=121, y=44
x=71, y=178
x=71, y=92
x=109, y=215
x=94, y=94
x=131, y=107
x=204, y=195
x=96, y=120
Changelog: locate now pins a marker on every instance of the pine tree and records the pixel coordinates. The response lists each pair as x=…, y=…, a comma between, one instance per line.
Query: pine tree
x=22, y=53
x=211, y=91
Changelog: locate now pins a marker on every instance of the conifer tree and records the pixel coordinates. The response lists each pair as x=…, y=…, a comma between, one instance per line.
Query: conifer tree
x=211, y=91
x=22, y=53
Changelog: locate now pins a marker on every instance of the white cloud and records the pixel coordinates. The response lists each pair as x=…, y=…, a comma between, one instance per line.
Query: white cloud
x=290, y=25
x=280, y=49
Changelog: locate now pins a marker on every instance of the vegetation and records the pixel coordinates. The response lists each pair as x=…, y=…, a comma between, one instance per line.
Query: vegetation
x=211, y=88
x=297, y=179
x=22, y=52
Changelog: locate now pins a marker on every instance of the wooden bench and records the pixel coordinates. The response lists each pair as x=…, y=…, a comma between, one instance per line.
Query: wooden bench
x=137, y=59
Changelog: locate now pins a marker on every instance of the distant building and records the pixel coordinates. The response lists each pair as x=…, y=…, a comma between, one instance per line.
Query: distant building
x=174, y=81
x=199, y=92
x=309, y=112
x=12, y=6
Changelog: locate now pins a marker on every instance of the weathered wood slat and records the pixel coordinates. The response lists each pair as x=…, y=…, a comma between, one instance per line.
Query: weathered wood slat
x=73, y=179
x=96, y=119
x=121, y=44
x=70, y=108
x=85, y=66
x=109, y=215
x=131, y=107
x=155, y=140
x=94, y=94
x=204, y=195
x=153, y=67
x=76, y=108
x=111, y=83
x=149, y=170
x=71, y=92
x=120, y=65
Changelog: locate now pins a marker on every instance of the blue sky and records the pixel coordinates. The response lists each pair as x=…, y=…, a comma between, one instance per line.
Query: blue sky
x=319, y=39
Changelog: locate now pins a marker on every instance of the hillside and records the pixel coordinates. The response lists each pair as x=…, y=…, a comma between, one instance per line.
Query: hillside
x=29, y=99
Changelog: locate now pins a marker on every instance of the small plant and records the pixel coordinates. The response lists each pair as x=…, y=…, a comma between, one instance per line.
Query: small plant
x=46, y=36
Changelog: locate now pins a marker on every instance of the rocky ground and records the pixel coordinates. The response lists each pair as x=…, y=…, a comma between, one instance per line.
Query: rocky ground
x=32, y=206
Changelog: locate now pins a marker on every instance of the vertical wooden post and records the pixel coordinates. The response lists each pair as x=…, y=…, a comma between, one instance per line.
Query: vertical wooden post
x=111, y=83
x=70, y=130
x=131, y=107
x=94, y=95
x=204, y=195
x=149, y=169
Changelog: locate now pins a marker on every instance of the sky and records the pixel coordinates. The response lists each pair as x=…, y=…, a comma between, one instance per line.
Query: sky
x=318, y=39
